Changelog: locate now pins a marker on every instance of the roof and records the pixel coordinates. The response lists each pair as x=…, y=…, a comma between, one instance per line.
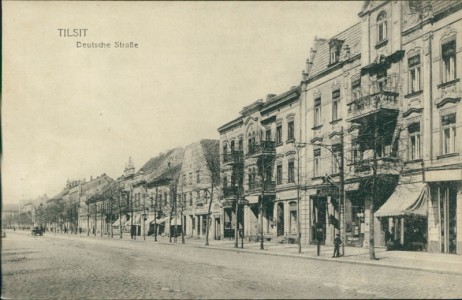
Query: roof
x=439, y=6
x=166, y=175
x=160, y=164
x=351, y=37
x=96, y=185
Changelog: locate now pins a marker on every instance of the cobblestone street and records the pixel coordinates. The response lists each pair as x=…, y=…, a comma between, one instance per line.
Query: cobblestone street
x=67, y=266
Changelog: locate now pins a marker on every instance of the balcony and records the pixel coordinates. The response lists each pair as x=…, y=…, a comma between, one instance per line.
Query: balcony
x=262, y=148
x=235, y=157
x=382, y=98
x=386, y=165
x=229, y=191
x=268, y=187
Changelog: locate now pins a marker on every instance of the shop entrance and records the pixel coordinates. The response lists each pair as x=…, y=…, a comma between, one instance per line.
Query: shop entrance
x=448, y=220
x=318, y=217
x=280, y=219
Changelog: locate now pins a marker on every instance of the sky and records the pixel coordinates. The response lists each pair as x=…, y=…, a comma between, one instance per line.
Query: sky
x=71, y=113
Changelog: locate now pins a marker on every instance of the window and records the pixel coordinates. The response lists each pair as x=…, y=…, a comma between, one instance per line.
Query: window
x=166, y=197
x=335, y=105
x=241, y=145
x=317, y=111
x=382, y=27
x=414, y=73
x=290, y=130
x=382, y=80
x=291, y=175
x=232, y=146
x=279, y=134
x=279, y=174
x=448, y=125
x=268, y=134
x=336, y=158
x=190, y=178
x=355, y=151
x=184, y=178
x=198, y=176
x=137, y=200
x=356, y=88
x=225, y=149
x=160, y=199
x=317, y=163
x=225, y=182
x=414, y=141
x=449, y=61
x=198, y=195
x=334, y=53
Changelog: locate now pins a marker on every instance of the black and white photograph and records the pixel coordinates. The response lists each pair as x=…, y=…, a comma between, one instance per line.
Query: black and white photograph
x=231, y=149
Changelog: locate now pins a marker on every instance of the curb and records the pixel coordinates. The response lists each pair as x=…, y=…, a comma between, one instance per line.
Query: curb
x=249, y=251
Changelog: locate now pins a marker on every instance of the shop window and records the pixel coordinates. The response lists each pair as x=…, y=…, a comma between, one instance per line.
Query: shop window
x=414, y=73
x=293, y=217
x=449, y=60
x=448, y=125
x=414, y=147
x=382, y=24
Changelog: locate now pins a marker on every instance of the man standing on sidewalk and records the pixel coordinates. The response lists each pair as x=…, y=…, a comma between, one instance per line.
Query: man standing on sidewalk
x=337, y=243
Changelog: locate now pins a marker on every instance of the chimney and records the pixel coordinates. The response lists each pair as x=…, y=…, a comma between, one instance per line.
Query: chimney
x=269, y=96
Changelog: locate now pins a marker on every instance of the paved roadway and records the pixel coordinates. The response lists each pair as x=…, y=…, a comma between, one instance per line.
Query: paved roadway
x=65, y=266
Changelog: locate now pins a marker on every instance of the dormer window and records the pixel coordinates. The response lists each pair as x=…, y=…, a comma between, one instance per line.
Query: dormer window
x=335, y=46
x=382, y=27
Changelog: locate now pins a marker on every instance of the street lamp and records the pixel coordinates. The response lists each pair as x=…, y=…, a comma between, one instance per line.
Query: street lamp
x=144, y=215
x=299, y=234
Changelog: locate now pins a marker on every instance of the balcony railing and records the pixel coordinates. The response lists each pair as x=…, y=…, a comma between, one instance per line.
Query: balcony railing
x=385, y=165
x=264, y=147
x=229, y=191
x=381, y=95
x=267, y=187
x=234, y=157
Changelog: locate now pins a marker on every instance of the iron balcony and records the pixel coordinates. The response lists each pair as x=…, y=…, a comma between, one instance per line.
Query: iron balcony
x=262, y=148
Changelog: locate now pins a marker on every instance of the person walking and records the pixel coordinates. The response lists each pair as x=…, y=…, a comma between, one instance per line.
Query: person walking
x=337, y=243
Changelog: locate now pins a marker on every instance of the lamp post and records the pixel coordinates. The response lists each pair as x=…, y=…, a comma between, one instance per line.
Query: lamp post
x=299, y=234
x=340, y=186
x=144, y=224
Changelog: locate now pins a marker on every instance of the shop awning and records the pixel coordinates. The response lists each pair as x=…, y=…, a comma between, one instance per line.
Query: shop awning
x=150, y=219
x=407, y=199
x=161, y=221
x=136, y=221
x=176, y=219
x=252, y=199
x=123, y=220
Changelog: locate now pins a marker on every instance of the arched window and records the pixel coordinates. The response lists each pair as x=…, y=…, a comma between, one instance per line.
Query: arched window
x=382, y=26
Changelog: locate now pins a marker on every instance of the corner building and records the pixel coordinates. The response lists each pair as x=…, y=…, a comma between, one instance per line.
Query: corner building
x=387, y=92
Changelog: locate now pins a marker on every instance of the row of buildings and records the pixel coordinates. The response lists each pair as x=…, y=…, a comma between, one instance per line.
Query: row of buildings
x=366, y=143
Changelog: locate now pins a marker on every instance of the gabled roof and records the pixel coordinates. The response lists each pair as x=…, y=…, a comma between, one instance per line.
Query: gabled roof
x=351, y=37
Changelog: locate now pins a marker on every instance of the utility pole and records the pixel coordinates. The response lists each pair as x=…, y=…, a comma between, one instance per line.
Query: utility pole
x=342, y=192
x=374, y=193
x=299, y=233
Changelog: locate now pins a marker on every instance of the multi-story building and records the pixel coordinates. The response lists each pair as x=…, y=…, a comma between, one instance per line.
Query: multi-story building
x=260, y=164
x=391, y=85
x=199, y=189
x=334, y=65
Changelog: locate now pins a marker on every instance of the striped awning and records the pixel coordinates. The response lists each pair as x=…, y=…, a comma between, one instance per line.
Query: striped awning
x=407, y=199
x=119, y=221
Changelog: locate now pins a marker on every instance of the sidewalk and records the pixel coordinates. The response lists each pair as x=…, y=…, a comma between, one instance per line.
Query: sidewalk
x=407, y=260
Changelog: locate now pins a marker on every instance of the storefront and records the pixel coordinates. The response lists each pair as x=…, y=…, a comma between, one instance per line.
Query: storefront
x=403, y=218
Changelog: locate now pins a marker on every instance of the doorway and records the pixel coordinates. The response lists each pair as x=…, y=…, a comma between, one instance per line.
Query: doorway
x=448, y=219
x=280, y=219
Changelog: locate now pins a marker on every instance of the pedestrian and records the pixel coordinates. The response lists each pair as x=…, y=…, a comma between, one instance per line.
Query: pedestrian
x=337, y=243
